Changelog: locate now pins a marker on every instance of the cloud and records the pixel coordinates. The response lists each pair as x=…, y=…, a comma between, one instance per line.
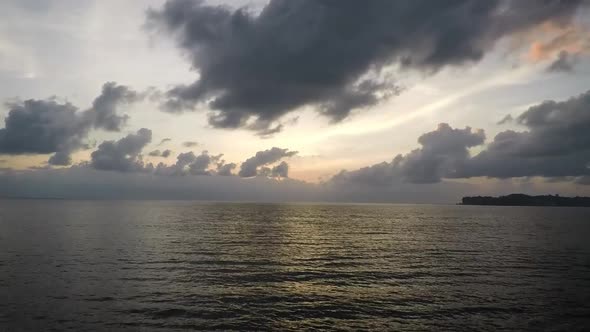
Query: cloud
x=190, y=144
x=60, y=158
x=556, y=144
x=507, y=119
x=79, y=182
x=88, y=183
x=179, y=168
x=104, y=108
x=157, y=153
x=280, y=171
x=49, y=126
x=165, y=140
x=202, y=163
x=43, y=127
x=226, y=169
x=442, y=152
x=562, y=42
x=123, y=155
x=564, y=63
x=250, y=167
x=189, y=163
x=332, y=55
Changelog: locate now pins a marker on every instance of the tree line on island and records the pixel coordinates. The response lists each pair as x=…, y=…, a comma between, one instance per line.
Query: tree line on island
x=526, y=200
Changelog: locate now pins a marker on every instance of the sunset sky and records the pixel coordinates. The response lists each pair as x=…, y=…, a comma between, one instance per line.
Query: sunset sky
x=401, y=101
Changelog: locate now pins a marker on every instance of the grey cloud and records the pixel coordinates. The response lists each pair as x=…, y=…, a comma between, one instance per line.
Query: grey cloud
x=104, y=108
x=253, y=69
x=443, y=151
x=157, y=153
x=122, y=155
x=264, y=172
x=564, y=63
x=179, y=168
x=190, y=144
x=253, y=165
x=202, y=163
x=557, y=127
x=185, y=158
x=382, y=174
x=48, y=126
x=43, y=127
x=87, y=183
x=60, y=158
x=280, y=171
x=226, y=169
x=267, y=128
x=507, y=119
x=166, y=153
x=165, y=140
x=189, y=163
x=557, y=143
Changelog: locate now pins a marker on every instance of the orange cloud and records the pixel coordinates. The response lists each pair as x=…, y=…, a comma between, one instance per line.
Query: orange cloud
x=551, y=39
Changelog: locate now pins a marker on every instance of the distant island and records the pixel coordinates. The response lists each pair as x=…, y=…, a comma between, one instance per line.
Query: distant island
x=526, y=200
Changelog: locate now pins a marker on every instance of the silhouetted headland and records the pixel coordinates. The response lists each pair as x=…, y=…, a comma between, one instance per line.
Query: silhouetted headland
x=526, y=200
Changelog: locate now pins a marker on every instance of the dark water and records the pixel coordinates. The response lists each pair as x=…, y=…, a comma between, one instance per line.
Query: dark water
x=158, y=266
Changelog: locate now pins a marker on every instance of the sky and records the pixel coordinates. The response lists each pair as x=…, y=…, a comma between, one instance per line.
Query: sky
x=311, y=100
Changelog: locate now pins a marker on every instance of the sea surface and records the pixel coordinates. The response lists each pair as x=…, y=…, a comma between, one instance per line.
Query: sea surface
x=176, y=266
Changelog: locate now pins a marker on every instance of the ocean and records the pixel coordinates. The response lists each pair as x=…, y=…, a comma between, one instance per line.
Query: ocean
x=177, y=266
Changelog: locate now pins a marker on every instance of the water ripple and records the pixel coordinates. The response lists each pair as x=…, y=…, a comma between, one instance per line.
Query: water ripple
x=173, y=266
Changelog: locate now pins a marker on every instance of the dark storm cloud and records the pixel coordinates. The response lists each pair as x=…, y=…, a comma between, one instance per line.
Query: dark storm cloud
x=564, y=63
x=253, y=165
x=48, y=126
x=442, y=152
x=123, y=155
x=253, y=69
